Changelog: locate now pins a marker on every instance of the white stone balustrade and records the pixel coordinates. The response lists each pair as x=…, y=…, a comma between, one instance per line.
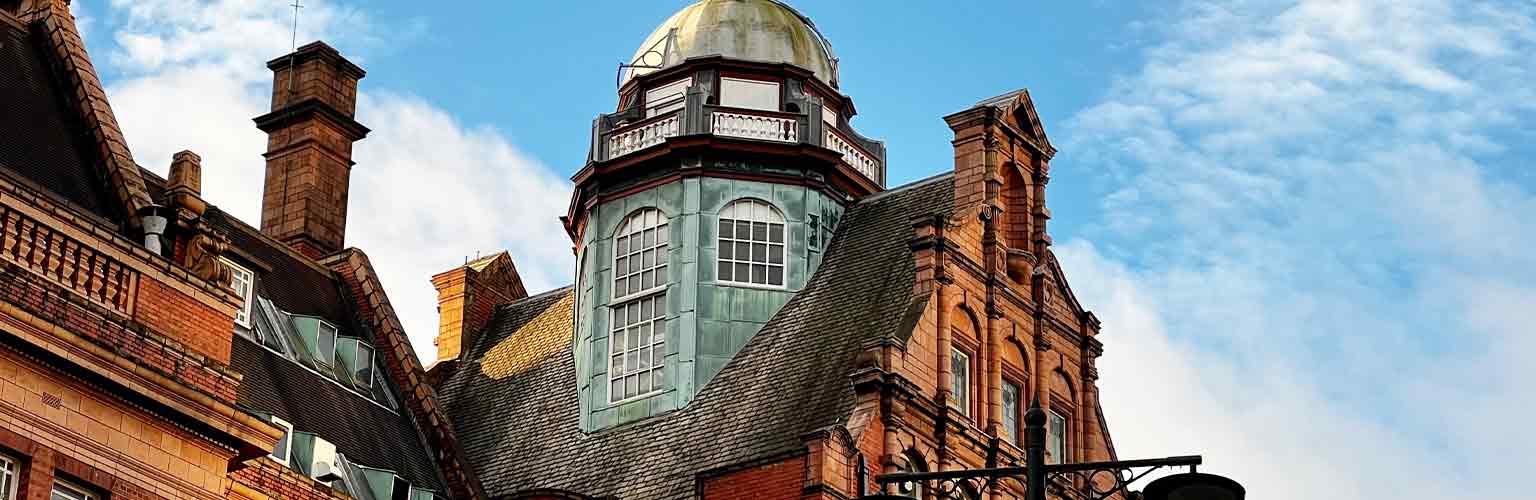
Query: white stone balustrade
x=643, y=136
x=852, y=154
x=763, y=128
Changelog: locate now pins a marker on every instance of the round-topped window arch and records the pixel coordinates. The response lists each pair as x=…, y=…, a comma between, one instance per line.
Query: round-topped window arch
x=751, y=244
x=640, y=253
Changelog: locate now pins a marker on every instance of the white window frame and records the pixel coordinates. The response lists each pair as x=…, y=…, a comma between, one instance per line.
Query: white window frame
x=1056, y=439
x=362, y=364
x=635, y=226
x=244, y=283
x=744, y=93
x=71, y=491
x=286, y=441
x=667, y=98
x=960, y=380
x=10, y=474
x=751, y=213
x=637, y=348
x=1011, y=415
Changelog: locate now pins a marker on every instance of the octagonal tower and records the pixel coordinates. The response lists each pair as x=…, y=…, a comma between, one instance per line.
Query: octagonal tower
x=706, y=200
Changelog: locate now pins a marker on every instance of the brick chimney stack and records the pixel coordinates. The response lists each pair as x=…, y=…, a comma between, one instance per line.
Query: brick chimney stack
x=467, y=297
x=310, y=132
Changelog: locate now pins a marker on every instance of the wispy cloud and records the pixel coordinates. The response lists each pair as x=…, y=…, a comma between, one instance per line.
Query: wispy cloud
x=427, y=190
x=1313, y=257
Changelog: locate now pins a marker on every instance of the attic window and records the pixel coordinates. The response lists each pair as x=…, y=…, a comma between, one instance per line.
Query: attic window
x=244, y=283
x=326, y=343
x=280, y=450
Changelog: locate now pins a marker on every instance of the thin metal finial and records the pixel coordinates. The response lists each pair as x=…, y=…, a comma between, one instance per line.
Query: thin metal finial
x=297, y=4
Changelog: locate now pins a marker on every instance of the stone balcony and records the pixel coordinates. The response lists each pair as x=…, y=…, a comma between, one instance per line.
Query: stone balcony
x=621, y=134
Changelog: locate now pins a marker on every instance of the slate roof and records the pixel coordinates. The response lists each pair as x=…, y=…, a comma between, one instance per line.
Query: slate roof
x=57, y=154
x=518, y=422
x=366, y=433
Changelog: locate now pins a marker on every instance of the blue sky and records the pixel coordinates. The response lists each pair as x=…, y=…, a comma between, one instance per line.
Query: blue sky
x=1304, y=223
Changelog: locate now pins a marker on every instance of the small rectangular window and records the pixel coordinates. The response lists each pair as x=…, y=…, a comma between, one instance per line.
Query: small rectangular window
x=1056, y=438
x=280, y=450
x=666, y=98
x=1010, y=431
x=244, y=283
x=9, y=470
x=749, y=94
x=960, y=381
x=64, y=490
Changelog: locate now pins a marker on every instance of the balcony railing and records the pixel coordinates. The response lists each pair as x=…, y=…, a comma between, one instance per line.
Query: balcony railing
x=630, y=134
x=644, y=134
x=753, y=125
x=66, y=261
x=853, y=154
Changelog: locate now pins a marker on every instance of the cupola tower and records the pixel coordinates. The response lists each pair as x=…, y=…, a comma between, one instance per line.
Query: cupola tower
x=707, y=200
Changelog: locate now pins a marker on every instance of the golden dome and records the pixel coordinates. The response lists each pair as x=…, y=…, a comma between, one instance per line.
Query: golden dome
x=753, y=30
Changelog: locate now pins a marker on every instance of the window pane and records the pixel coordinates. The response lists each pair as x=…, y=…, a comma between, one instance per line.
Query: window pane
x=622, y=246
x=743, y=250
x=743, y=271
x=661, y=235
x=759, y=231
x=725, y=228
x=616, y=390
x=724, y=271
x=727, y=250
x=776, y=233
x=775, y=254
x=759, y=252
x=776, y=275
x=743, y=229
x=759, y=274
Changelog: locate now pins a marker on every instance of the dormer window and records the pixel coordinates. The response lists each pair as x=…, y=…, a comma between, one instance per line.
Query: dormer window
x=749, y=94
x=751, y=249
x=244, y=283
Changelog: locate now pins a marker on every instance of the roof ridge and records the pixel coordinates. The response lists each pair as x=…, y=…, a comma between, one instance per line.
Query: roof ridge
x=906, y=187
x=540, y=295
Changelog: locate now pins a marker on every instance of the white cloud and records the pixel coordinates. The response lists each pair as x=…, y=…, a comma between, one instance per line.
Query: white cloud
x=1313, y=262
x=427, y=189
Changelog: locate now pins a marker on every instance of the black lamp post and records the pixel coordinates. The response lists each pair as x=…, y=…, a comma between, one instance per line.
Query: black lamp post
x=1033, y=477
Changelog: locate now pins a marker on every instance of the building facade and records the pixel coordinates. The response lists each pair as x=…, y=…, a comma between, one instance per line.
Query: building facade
x=755, y=313
x=153, y=346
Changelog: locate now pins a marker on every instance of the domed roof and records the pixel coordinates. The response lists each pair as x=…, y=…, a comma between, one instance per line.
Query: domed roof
x=754, y=30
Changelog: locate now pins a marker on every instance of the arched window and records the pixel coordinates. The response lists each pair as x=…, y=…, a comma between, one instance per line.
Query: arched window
x=640, y=254
x=751, y=249
x=910, y=462
x=637, y=333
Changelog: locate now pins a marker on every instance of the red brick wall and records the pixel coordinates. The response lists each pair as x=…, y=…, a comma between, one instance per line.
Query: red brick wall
x=775, y=481
x=172, y=313
x=274, y=479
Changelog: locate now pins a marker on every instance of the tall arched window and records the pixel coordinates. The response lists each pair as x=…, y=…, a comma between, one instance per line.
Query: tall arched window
x=751, y=249
x=640, y=254
x=637, y=334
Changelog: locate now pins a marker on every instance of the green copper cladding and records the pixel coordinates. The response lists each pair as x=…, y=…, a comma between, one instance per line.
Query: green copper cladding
x=707, y=320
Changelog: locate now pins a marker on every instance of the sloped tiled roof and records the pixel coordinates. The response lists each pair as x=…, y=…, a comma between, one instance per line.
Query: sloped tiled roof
x=56, y=154
x=519, y=422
